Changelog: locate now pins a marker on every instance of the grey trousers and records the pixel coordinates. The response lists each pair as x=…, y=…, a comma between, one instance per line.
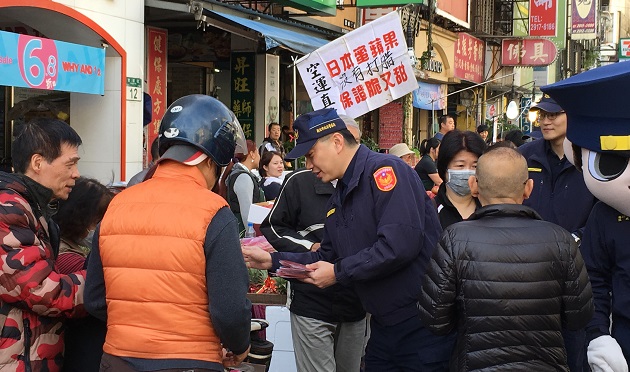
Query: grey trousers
x=327, y=347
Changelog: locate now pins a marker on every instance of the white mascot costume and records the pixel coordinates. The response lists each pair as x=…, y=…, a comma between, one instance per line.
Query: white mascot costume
x=597, y=104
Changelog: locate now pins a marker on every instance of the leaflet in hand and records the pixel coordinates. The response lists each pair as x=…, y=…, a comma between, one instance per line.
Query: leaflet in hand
x=292, y=270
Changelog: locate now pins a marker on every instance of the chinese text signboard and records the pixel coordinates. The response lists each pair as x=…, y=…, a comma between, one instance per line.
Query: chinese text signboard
x=528, y=52
x=624, y=49
x=156, y=80
x=34, y=62
x=372, y=14
x=469, y=55
x=390, y=125
x=542, y=17
x=583, y=19
x=526, y=103
x=243, y=83
x=360, y=71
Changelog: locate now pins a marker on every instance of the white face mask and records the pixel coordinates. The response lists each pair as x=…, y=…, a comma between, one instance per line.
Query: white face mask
x=458, y=180
x=87, y=241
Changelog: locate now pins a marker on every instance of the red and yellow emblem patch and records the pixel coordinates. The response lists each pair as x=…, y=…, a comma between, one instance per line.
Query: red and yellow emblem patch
x=385, y=178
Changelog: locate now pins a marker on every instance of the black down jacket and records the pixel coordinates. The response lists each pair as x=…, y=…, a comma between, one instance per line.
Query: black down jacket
x=508, y=282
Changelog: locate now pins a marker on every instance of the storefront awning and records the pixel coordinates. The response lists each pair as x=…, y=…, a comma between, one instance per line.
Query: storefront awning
x=276, y=36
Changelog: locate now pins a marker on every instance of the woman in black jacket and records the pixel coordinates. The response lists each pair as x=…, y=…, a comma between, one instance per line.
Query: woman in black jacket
x=457, y=161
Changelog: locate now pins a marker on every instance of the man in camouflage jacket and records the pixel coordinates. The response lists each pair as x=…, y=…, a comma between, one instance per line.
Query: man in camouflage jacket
x=34, y=298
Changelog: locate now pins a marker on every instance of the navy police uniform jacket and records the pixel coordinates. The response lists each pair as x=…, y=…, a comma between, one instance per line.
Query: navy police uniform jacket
x=565, y=201
x=293, y=225
x=380, y=238
x=606, y=252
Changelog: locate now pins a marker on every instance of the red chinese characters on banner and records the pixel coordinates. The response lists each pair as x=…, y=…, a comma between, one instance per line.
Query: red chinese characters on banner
x=360, y=71
x=469, y=58
x=528, y=52
x=374, y=73
x=542, y=17
x=156, y=79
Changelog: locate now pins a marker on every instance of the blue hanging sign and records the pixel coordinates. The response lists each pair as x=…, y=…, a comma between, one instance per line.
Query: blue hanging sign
x=34, y=62
x=429, y=97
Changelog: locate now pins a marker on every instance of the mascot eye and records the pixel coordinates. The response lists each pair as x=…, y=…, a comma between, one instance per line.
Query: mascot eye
x=606, y=167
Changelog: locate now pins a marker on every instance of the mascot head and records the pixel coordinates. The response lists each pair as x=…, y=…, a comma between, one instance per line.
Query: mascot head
x=598, y=130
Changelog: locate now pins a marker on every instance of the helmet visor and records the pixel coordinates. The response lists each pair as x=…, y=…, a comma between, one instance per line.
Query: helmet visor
x=239, y=136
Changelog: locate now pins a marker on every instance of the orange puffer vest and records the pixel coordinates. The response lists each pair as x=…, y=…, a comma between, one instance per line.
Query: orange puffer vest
x=152, y=246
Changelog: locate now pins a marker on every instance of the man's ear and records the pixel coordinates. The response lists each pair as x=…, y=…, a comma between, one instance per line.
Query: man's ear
x=529, y=187
x=474, y=187
x=36, y=162
x=339, y=141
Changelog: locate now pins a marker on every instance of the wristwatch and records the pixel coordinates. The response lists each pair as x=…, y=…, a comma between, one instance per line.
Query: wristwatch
x=578, y=240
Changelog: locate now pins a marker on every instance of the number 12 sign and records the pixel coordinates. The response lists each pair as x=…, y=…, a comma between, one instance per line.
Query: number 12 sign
x=33, y=62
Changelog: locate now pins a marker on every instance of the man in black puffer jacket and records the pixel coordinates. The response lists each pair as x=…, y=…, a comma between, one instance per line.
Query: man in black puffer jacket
x=507, y=280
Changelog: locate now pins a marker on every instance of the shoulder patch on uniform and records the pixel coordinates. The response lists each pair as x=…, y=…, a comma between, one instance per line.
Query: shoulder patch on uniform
x=330, y=212
x=538, y=170
x=385, y=178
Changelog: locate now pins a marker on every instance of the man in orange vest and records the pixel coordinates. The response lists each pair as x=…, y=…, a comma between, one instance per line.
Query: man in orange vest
x=166, y=270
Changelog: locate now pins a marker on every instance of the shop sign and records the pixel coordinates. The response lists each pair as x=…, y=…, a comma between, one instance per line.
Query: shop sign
x=360, y=71
x=526, y=103
x=429, y=96
x=134, y=89
x=624, y=48
x=542, y=17
x=372, y=14
x=390, y=2
x=243, y=90
x=491, y=110
x=469, y=58
x=454, y=10
x=528, y=52
x=583, y=19
x=432, y=65
x=34, y=62
x=156, y=79
x=316, y=7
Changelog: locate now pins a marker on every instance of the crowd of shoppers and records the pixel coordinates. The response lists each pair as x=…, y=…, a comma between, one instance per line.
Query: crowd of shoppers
x=487, y=275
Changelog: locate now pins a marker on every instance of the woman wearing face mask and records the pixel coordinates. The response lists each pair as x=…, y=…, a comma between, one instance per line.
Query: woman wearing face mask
x=77, y=218
x=457, y=161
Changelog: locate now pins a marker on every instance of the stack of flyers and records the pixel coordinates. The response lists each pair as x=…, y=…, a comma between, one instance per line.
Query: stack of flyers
x=292, y=270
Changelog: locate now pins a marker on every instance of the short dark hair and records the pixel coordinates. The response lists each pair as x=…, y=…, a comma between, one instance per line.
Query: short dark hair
x=515, y=136
x=270, y=125
x=42, y=136
x=85, y=207
x=454, y=142
x=442, y=119
x=482, y=128
x=265, y=159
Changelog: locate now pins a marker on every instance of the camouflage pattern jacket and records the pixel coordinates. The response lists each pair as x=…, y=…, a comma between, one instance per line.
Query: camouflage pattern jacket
x=34, y=298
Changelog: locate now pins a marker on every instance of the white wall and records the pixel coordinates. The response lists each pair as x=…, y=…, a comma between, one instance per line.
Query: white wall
x=96, y=118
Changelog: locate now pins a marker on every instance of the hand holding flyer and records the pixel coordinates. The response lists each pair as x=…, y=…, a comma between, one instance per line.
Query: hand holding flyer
x=292, y=270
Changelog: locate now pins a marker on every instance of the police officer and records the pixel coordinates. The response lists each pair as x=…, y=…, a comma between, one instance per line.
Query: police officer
x=559, y=196
x=599, y=131
x=379, y=234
